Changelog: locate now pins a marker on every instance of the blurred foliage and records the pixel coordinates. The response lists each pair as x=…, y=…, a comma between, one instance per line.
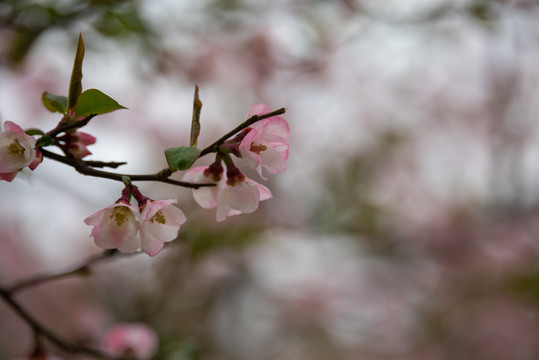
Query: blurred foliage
x=526, y=286
x=175, y=347
x=201, y=240
x=27, y=21
x=350, y=193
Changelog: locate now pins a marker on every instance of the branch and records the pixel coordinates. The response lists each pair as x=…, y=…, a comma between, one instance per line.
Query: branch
x=88, y=167
x=8, y=295
x=78, y=270
x=45, y=332
x=84, y=168
x=253, y=119
x=102, y=164
x=65, y=127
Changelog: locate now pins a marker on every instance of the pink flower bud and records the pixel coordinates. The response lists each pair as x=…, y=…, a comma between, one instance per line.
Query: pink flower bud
x=265, y=144
x=75, y=143
x=131, y=340
x=17, y=150
x=160, y=223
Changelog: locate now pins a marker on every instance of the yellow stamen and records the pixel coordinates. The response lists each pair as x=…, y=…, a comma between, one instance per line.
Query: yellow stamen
x=159, y=217
x=257, y=148
x=15, y=148
x=119, y=214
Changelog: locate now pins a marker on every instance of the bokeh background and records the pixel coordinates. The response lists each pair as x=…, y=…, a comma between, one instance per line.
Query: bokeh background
x=405, y=227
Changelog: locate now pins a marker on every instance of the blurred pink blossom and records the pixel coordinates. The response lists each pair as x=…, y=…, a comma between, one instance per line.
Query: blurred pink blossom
x=132, y=340
x=160, y=222
x=116, y=227
x=264, y=145
x=241, y=198
x=17, y=150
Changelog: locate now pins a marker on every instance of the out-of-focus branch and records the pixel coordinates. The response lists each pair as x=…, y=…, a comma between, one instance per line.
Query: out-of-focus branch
x=8, y=294
x=82, y=269
x=45, y=332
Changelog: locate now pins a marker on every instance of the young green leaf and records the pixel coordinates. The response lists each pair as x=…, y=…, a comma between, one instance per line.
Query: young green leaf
x=75, y=84
x=45, y=140
x=93, y=101
x=182, y=157
x=54, y=103
x=33, y=132
x=195, y=123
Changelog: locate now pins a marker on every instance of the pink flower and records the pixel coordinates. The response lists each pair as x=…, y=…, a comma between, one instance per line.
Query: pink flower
x=17, y=150
x=137, y=341
x=160, y=222
x=116, y=227
x=264, y=145
x=241, y=198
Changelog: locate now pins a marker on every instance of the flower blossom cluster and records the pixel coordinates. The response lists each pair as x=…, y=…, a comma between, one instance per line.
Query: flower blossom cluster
x=262, y=146
x=242, y=197
x=17, y=151
x=128, y=228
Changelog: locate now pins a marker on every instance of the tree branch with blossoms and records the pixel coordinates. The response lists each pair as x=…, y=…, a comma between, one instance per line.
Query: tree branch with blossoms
x=135, y=222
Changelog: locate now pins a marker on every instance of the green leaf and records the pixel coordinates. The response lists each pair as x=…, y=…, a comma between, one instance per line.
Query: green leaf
x=33, y=132
x=195, y=123
x=93, y=101
x=45, y=140
x=75, y=84
x=182, y=157
x=54, y=103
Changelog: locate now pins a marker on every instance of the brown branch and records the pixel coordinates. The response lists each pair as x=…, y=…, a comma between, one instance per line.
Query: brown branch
x=70, y=126
x=88, y=167
x=83, y=168
x=102, y=164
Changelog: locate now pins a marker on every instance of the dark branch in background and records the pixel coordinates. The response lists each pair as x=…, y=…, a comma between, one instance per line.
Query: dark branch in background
x=8, y=295
x=88, y=168
x=46, y=333
x=245, y=124
x=78, y=270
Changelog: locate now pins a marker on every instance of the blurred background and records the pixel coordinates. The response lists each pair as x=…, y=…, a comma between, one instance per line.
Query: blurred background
x=405, y=227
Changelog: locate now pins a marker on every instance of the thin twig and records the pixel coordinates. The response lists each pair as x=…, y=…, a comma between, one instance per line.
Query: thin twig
x=102, y=164
x=82, y=167
x=70, y=126
x=253, y=119
x=78, y=270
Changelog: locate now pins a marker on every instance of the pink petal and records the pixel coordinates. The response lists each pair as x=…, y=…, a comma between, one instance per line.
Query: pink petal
x=243, y=197
x=258, y=109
